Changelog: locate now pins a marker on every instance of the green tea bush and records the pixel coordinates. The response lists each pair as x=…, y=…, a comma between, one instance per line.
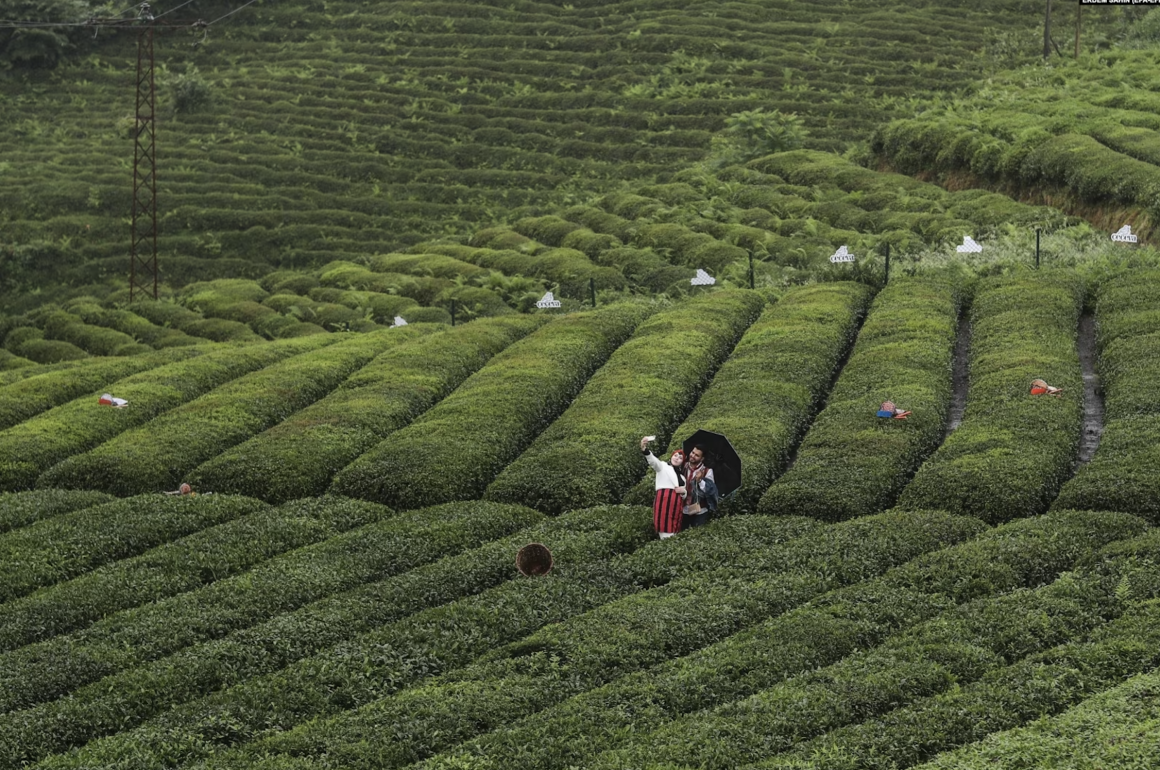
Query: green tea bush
x=28, y=448
x=766, y=391
x=95, y=340
x=160, y=454
x=1013, y=451
x=383, y=307
x=1114, y=728
x=1028, y=552
x=1045, y=683
x=851, y=462
x=62, y=547
x=703, y=605
x=22, y=400
x=647, y=386
x=434, y=265
x=364, y=644
x=323, y=547
x=10, y=361
x=301, y=455
x=18, y=509
x=1120, y=475
x=44, y=351
x=457, y=448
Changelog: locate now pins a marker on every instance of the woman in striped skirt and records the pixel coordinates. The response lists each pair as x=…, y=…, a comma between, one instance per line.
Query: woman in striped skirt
x=669, y=503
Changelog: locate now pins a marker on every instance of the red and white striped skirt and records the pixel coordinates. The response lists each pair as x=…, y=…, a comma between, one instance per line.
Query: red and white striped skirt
x=668, y=509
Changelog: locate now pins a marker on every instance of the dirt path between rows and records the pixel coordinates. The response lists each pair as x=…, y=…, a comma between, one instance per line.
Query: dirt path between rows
x=1093, y=397
x=959, y=374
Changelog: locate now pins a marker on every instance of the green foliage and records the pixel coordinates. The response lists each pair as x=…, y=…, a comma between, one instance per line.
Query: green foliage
x=61, y=547
x=591, y=455
x=766, y=391
x=191, y=91
x=392, y=633
x=701, y=606
x=161, y=454
x=1119, y=477
x=851, y=462
x=301, y=455
x=30, y=449
x=458, y=447
x=33, y=395
x=18, y=509
x=308, y=550
x=42, y=47
x=1012, y=451
x=754, y=133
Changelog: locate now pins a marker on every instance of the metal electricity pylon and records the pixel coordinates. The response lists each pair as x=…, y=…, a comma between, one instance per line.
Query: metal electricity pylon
x=143, y=230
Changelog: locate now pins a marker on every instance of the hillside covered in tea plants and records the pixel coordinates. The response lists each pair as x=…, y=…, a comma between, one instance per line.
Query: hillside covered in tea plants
x=363, y=207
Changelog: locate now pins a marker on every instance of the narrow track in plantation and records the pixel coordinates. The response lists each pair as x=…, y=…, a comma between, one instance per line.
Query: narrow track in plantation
x=959, y=374
x=1093, y=397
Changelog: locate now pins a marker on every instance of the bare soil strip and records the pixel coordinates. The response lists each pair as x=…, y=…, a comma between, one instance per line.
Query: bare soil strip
x=1093, y=398
x=959, y=374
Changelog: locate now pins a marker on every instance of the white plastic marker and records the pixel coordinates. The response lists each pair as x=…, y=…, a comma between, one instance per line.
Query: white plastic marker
x=969, y=246
x=399, y=321
x=548, y=301
x=842, y=255
x=702, y=279
x=1124, y=235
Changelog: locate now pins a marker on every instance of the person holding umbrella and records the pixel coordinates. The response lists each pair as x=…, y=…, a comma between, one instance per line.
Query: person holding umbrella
x=716, y=466
x=669, y=502
x=701, y=487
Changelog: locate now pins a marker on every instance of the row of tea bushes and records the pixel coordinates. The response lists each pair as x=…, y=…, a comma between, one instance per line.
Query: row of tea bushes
x=18, y=509
x=569, y=268
x=165, y=313
x=336, y=654
x=1045, y=683
x=28, y=342
x=28, y=448
x=33, y=395
x=953, y=649
x=1115, y=728
x=127, y=322
x=94, y=340
x=696, y=609
x=1121, y=475
x=159, y=454
x=321, y=565
x=454, y=450
x=1013, y=451
x=62, y=547
x=591, y=455
x=1025, y=553
x=767, y=390
x=851, y=462
x=301, y=455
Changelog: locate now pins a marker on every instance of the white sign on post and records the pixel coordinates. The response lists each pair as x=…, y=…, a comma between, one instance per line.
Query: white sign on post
x=842, y=255
x=702, y=279
x=1124, y=235
x=968, y=246
x=548, y=301
x=398, y=322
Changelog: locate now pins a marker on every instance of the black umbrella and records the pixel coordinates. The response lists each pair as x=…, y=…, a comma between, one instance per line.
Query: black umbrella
x=720, y=456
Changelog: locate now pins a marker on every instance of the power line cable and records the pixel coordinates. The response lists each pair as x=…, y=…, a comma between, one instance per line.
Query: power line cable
x=231, y=13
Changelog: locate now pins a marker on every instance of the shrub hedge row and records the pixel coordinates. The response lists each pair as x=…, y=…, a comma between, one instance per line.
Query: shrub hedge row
x=1121, y=475
x=1045, y=683
x=1027, y=552
x=159, y=454
x=766, y=391
x=18, y=509
x=1013, y=451
x=95, y=340
x=694, y=610
x=1115, y=728
x=63, y=547
x=953, y=649
x=851, y=462
x=300, y=456
x=647, y=386
x=376, y=547
x=30, y=447
x=216, y=329
x=134, y=325
x=28, y=397
x=457, y=448
x=350, y=649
